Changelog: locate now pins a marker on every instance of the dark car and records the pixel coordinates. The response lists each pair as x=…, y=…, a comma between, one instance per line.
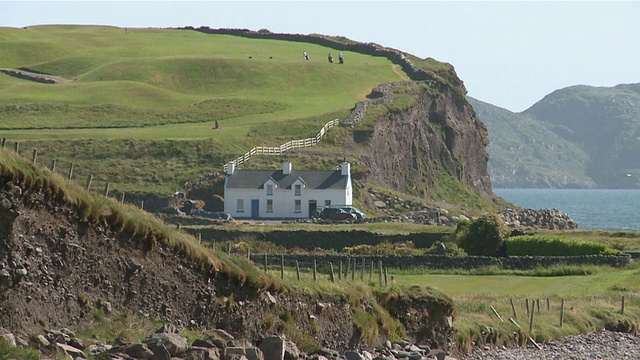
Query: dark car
x=336, y=214
x=354, y=210
x=212, y=215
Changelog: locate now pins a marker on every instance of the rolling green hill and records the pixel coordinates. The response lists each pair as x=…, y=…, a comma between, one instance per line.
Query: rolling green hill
x=577, y=137
x=147, y=110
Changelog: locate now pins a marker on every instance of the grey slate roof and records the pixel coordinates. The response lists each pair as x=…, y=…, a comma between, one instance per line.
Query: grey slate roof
x=314, y=179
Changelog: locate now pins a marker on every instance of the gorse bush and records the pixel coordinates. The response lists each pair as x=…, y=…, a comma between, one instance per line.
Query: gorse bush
x=529, y=245
x=482, y=237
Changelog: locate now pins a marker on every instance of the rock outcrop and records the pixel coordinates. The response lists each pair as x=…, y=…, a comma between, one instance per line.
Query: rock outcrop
x=437, y=135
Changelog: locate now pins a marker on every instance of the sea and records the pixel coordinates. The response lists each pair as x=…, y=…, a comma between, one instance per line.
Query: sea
x=591, y=209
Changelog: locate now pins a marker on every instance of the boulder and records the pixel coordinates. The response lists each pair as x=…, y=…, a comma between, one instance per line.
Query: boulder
x=175, y=344
x=138, y=351
x=200, y=353
x=272, y=348
x=71, y=351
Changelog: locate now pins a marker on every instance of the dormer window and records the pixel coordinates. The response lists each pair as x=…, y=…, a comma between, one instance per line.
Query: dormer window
x=297, y=190
x=269, y=189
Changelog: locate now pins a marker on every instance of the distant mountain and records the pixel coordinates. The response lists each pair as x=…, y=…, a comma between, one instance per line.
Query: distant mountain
x=576, y=137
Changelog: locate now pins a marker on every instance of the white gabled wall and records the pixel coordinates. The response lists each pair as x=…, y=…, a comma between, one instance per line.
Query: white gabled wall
x=283, y=202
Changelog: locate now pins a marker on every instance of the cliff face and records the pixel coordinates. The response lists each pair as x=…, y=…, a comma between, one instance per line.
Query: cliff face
x=426, y=135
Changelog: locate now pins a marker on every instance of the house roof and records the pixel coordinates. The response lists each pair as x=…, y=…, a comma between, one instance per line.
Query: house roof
x=314, y=179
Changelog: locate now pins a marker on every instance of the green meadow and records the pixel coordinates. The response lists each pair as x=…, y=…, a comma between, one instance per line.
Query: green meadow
x=163, y=91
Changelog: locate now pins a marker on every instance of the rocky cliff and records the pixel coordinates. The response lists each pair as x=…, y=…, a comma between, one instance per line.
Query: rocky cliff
x=421, y=135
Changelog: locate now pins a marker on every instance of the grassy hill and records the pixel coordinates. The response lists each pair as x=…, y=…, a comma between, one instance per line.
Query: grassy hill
x=141, y=103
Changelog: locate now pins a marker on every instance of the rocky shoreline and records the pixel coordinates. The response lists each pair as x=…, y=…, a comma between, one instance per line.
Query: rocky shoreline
x=167, y=344
x=596, y=345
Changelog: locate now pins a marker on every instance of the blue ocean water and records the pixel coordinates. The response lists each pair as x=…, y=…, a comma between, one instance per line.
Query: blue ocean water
x=591, y=209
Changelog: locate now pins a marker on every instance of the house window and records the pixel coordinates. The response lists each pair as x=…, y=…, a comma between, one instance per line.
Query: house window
x=240, y=205
x=269, y=189
x=298, y=190
x=298, y=206
x=327, y=203
x=269, y=205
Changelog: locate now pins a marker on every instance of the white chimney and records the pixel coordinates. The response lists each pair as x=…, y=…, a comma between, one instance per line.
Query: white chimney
x=231, y=167
x=286, y=168
x=345, y=169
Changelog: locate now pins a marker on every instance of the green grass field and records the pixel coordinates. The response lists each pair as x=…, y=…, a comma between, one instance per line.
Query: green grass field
x=162, y=90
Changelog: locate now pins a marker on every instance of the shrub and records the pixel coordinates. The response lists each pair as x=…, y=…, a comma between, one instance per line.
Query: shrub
x=527, y=245
x=445, y=248
x=484, y=236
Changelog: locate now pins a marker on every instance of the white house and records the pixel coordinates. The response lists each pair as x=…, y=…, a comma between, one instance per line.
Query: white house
x=286, y=193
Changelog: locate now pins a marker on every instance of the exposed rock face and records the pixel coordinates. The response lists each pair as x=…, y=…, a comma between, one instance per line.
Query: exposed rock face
x=438, y=134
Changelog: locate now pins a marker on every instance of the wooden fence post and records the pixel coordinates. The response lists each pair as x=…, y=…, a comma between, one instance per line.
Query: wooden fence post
x=16, y=148
x=362, y=270
x=562, y=313
x=548, y=304
x=265, y=262
x=532, y=312
x=4, y=142
x=249, y=254
x=538, y=305
x=622, y=308
x=298, y=269
x=141, y=204
x=346, y=269
x=380, y=272
x=89, y=180
x=333, y=278
x=315, y=270
x=526, y=305
x=200, y=238
x=122, y=197
x=34, y=156
x=71, y=172
x=386, y=279
x=353, y=270
x=371, y=271
x=281, y=266
x=53, y=165
x=229, y=248
x=340, y=270
x=513, y=308
x=496, y=312
x=106, y=190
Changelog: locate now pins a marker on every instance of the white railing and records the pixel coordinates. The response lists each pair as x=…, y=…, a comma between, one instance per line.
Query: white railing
x=279, y=150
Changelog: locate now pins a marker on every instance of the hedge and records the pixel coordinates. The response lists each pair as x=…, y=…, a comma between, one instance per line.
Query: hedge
x=528, y=245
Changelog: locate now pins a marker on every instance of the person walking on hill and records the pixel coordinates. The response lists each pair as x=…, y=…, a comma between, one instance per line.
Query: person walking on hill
x=304, y=55
x=340, y=58
x=330, y=58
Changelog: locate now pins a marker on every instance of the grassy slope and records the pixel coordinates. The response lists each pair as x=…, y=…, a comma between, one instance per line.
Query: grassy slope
x=160, y=91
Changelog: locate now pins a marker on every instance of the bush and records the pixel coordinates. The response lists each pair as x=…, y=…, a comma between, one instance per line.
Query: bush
x=527, y=245
x=484, y=236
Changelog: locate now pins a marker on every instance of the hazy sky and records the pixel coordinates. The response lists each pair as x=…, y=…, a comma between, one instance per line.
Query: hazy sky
x=510, y=54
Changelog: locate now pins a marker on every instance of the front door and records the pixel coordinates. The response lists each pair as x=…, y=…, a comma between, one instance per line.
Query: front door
x=255, y=208
x=313, y=207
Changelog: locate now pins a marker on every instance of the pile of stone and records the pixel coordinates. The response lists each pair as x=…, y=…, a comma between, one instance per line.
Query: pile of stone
x=550, y=219
x=414, y=212
x=167, y=344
